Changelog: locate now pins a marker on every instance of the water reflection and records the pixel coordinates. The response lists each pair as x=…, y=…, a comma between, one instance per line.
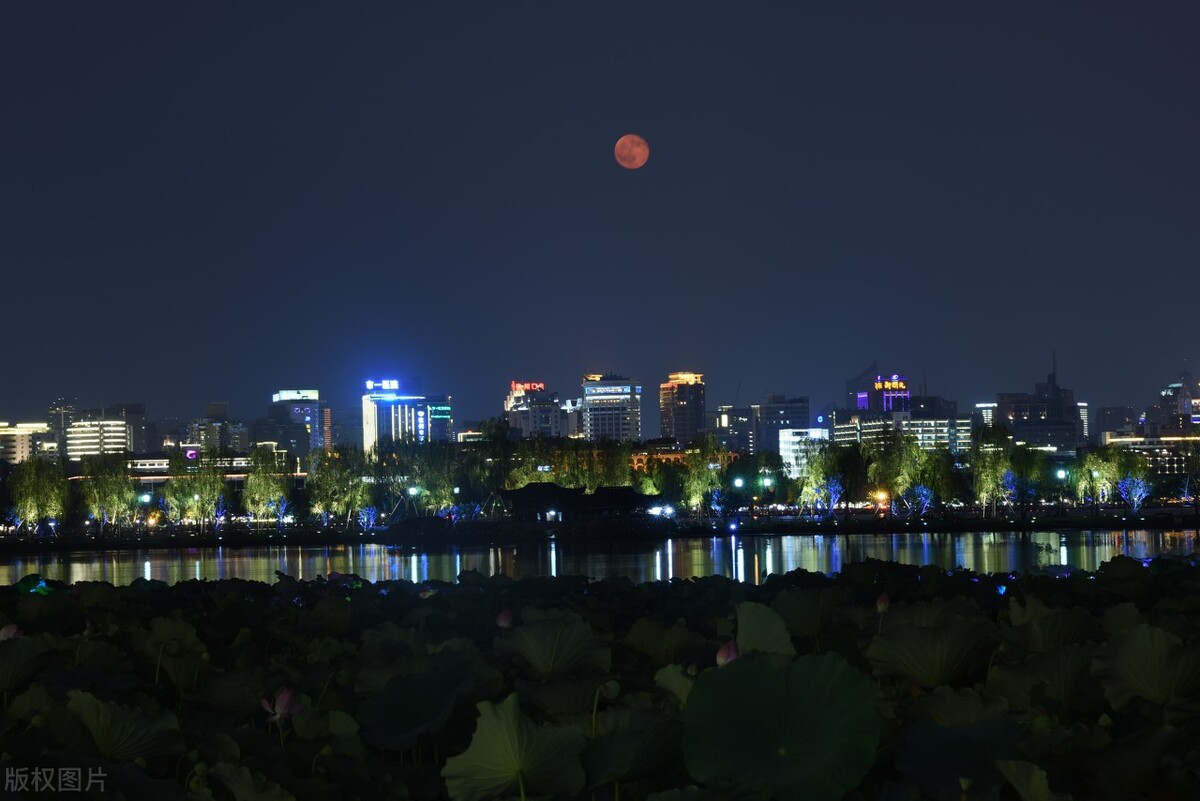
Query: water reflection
x=742, y=558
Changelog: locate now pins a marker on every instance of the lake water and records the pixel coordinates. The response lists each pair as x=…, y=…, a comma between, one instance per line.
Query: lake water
x=741, y=558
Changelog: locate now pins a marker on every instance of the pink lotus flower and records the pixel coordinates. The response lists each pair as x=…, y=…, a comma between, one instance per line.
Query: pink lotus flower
x=286, y=704
x=882, y=602
x=9, y=632
x=727, y=653
x=505, y=619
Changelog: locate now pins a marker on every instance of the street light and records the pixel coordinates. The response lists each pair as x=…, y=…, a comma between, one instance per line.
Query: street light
x=739, y=483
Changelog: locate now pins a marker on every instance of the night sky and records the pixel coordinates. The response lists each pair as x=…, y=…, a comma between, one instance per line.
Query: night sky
x=211, y=201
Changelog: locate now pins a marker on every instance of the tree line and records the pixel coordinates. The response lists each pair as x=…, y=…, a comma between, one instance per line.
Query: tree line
x=347, y=488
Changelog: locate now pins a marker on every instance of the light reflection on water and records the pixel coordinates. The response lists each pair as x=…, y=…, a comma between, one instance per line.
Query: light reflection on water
x=742, y=558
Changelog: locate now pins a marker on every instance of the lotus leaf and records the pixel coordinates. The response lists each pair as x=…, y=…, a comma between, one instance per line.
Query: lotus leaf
x=948, y=707
x=663, y=644
x=123, y=733
x=760, y=628
x=1121, y=618
x=1048, y=631
x=172, y=646
x=237, y=692
x=1028, y=780
x=1149, y=663
x=557, y=646
x=509, y=752
x=931, y=656
x=631, y=743
x=409, y=706
x=248, y=787
x=807, y=729
x=672, y=679
x=940, y=758
x=34, y=701
x=561, y=696
x=807, y=612
x=20, y=658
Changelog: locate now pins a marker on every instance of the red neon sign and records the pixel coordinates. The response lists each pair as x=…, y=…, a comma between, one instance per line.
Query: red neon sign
x=529, y=386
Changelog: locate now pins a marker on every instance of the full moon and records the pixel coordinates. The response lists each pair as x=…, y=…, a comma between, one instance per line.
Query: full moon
x=631, y=151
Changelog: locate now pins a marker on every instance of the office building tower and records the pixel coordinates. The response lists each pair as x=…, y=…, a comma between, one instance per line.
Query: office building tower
x=23, y=441
x=96, y=437
x=60, y=414
x=299, y=407
x=1046, y=418
x=612, y=408
x=681, y=407
x=533, y=411
x=734, y=427
x=388, y=416
x=777, y=414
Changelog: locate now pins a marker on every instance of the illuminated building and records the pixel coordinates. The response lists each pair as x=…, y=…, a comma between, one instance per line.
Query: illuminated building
x=441, y=419
x=612, y=408
x=388, y=416
x=96, y=437
x=986, y=413
x=1046, y=418
x=734, y=428
x=60, y=415
x=23, y=441
x=301, y=407
x=952, y=434
x=534, y=412
x=681, y=406
x=886, y=394
x=777, y=414
x=795, y=445
x=1166, y=456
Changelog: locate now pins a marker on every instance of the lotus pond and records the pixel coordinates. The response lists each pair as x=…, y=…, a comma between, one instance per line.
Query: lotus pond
x=884, y=682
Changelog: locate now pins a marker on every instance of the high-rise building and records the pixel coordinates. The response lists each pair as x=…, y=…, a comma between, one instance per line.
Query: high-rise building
x=1115, y=419
x=23, y=441
x=533, y=412
x=734, y=427
x=301, y=407
x=681, y=407
x=96, y=437
x=60, y=415
x=777, y=414
x=1046, y=418
x=441, y=418
x=388, y=416
x=612, y=408
x=796, y=445
x=142, y=431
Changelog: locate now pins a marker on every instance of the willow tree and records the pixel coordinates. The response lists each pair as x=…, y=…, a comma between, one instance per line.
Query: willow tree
x=39, y=492
x=1096, y=477
x=336, y=484
x=108, y=491
x=893, y=462
x=266, y=485
x=702, y=472
x=989, y=464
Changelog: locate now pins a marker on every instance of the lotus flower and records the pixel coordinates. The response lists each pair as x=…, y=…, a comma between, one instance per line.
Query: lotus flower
x=505, y=619
x=287, y=703
x=9, y=632
x=727, y=653
x=882, y=602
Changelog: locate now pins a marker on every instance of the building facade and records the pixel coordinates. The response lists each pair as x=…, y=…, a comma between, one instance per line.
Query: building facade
x=1046, y=418
x=96, y=437
x=778, y=414
x=681, y=407
x=612, y=408
x=23, y=441
x=533, y=412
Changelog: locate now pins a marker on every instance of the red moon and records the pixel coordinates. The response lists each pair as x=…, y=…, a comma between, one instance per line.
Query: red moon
x=631, y=151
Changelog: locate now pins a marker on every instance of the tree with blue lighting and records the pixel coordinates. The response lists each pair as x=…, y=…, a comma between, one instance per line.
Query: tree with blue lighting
x=1133, y=490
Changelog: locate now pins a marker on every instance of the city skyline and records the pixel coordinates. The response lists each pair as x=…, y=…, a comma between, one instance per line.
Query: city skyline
x=648, y=424
x=201, y=198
